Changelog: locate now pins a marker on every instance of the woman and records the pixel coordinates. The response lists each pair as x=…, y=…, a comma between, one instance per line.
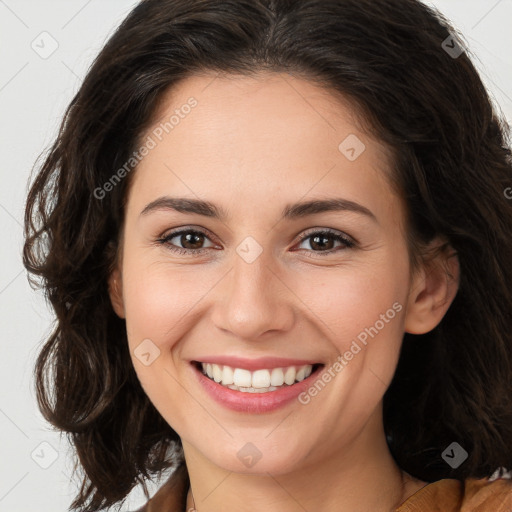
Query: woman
x=276, y=237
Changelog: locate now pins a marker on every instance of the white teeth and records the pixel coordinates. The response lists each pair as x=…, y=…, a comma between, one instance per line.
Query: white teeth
x=253, y=390
x=227, y=376
x=289, y=375
x=259, y=381
x=217, y=372
x=241, y=377
x=277, y=377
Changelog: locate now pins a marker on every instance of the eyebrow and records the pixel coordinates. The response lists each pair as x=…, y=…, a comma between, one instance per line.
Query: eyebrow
x=290, y=211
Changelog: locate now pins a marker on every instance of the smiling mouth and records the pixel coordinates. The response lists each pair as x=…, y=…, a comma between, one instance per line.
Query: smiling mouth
x=258, y=381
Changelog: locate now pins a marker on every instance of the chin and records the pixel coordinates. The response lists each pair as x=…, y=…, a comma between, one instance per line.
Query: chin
x=257, y=458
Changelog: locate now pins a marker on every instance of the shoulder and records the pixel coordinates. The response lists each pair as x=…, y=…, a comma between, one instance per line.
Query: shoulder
x=492, y=494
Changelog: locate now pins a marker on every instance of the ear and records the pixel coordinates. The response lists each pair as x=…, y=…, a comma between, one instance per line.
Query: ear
x=433, y=289
x=115, y=290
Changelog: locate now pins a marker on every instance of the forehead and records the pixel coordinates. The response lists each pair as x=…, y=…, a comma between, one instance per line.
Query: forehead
x=266, y=136
x=267, y=104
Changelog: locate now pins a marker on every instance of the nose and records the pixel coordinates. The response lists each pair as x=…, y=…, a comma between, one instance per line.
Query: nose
x=253, y=300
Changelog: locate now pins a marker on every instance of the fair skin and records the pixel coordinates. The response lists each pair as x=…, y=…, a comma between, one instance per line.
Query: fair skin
x=252, y=146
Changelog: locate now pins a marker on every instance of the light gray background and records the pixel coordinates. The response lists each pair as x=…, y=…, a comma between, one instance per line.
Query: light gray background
x=33, y=95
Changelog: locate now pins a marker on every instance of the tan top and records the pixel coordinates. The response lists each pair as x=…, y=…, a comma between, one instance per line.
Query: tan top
x=446, y=495
x=472, y=495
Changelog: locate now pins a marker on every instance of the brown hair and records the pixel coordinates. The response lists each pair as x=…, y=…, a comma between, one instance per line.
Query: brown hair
x=452, y=165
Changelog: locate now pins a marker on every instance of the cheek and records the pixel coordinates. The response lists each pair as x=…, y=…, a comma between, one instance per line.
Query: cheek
x=360, y=311
x=158, y=301
x=350, y=300
x=158, y=304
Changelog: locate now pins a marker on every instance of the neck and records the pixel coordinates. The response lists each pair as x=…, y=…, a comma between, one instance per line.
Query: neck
x=359, y=477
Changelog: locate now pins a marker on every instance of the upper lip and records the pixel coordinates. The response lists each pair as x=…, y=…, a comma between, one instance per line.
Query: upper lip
x=255, y=363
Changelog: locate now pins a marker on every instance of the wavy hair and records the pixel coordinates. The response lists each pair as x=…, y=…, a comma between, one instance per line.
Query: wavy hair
x=452, y=164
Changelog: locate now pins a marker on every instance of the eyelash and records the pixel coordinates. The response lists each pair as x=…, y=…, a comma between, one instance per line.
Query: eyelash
x=346, y=241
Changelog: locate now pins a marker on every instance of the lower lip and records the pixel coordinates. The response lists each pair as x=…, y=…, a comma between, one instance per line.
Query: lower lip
x=254, y=402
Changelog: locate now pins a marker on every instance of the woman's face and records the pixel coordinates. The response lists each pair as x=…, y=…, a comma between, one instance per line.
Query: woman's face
x=241, y=289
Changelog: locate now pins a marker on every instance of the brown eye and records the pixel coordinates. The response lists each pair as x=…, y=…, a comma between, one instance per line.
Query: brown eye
x=186, y=241
x=324, y=241
x=192, y=240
